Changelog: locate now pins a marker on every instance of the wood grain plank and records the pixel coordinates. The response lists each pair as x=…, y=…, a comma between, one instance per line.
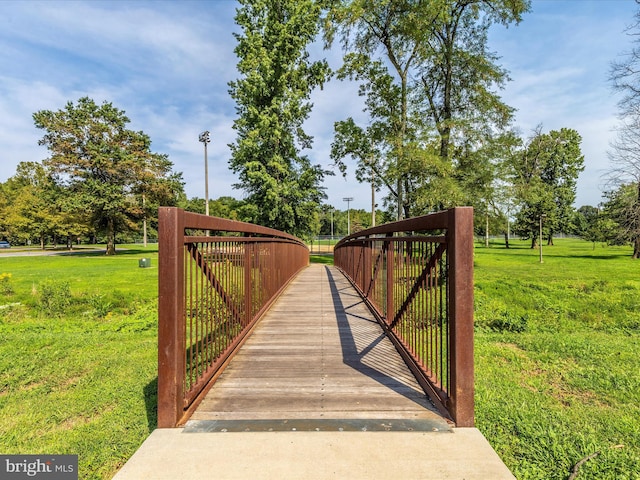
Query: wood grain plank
x=318, y=353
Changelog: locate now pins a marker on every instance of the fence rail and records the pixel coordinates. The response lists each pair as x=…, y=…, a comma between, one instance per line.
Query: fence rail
x=216, y=277
x=417, y=277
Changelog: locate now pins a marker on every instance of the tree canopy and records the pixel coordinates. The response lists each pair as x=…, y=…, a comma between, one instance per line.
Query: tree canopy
x=105, y=169
x=429, y=83
x=272, y=102
x=623, y=199
x=545, y=175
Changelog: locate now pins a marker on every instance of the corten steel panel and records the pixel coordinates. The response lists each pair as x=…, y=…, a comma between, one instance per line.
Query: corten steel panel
x=429, y=313
x=227, y=283
x=171, y=359
x=461, y=312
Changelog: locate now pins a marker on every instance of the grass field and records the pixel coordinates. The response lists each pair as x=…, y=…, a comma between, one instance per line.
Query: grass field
x=557, y=357
x=78, y=358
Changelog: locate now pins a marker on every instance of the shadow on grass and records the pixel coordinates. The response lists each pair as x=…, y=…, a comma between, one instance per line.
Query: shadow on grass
x=548, y=252
x=100, y=252
x=150, y=392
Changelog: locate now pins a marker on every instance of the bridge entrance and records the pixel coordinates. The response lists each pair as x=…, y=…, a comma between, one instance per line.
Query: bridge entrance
x=317, y=361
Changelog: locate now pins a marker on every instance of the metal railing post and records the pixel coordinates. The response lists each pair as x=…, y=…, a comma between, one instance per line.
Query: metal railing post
x=248, y=284
x=461, y=314
x=367, y=270
x=390, y=281
x=171, y=329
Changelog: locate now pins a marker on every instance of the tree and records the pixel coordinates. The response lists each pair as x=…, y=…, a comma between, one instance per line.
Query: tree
x=622, y=210
x=623, y=204
x=625, y=74
x=430, y=97
x=591, y=225
x=272, y=102
x=545, y=176
x=104, y=168
x=32, y=200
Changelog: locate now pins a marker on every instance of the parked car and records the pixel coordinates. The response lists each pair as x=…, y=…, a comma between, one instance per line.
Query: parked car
x=4, y=244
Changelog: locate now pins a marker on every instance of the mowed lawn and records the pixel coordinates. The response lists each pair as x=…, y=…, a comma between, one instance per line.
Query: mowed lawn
x=78, y=367
x=557, y=357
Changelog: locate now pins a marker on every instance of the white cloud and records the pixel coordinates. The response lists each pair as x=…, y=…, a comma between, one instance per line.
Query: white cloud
x=167, y=64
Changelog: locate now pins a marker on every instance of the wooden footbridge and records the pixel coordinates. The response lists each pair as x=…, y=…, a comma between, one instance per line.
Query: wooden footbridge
x=273, y=368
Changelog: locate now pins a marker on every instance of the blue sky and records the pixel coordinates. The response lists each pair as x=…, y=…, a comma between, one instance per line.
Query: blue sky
x=167, y=64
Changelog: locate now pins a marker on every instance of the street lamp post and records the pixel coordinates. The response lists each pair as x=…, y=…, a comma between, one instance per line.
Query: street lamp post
x=348, y=200
x=331, y=210
x=204, y=138
x=540, y=236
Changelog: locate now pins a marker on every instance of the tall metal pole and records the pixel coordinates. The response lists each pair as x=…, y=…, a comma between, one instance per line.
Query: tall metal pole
x=144, y=221
x=348, y=200
x=373, y=198
x=373, y=189
x=204, y=138
x=331, y=223
x=540, y=237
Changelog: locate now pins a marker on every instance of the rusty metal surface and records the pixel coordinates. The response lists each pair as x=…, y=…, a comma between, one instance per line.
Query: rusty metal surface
x=420, y=285
x=212, y=290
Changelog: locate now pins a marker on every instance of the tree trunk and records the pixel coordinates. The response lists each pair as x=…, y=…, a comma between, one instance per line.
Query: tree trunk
x=506, y=240
x=486, y=231
x=636, y=240
x=111, y=237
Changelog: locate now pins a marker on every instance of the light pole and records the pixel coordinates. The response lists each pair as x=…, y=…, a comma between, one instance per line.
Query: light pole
x=542, y=215
x=204, y=138
x=331, y=210
x=348, y=200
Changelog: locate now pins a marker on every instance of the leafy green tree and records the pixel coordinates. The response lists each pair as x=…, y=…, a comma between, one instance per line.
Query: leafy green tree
x=428, y=80
x=32, y=210
x=592, y=225
x=104, y=168
x=545, y=177
x=622, y=209
x=272, y=103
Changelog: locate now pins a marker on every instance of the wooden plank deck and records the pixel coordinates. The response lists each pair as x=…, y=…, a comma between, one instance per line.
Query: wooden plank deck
x=317, y=361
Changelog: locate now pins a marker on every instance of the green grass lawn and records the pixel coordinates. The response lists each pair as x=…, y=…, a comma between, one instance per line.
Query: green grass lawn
x=557, y=357
x=78, y=361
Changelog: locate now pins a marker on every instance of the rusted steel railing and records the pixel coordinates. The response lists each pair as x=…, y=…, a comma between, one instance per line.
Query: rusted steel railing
x=216, y=277
x=417, y=277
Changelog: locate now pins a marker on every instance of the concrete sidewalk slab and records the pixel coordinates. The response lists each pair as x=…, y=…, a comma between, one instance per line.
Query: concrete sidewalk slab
x=173, y=454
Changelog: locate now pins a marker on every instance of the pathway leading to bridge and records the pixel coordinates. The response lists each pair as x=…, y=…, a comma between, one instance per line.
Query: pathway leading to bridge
x=317, y=391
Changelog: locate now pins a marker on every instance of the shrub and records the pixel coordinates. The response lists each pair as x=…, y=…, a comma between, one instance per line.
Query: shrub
x=100, y=304
x=55, y=297
x=5, y=284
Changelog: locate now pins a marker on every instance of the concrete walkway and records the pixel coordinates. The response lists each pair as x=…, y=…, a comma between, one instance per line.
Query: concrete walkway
x=317, y=391
x=172, y=454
